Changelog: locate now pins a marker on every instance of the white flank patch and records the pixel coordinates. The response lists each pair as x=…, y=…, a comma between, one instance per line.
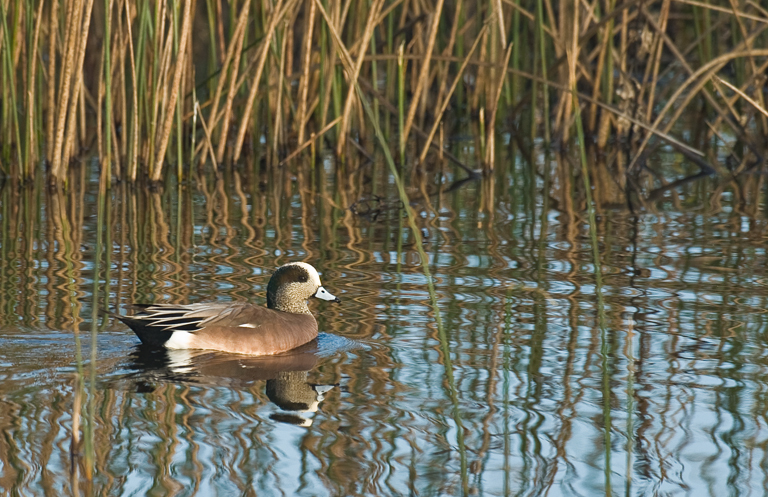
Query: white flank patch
x=179, y=340
x=247, y=325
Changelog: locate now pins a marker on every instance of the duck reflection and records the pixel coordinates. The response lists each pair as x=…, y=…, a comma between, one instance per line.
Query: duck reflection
x=286, y=376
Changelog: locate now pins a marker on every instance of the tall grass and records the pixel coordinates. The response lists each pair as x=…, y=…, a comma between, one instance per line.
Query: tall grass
x=266, y=72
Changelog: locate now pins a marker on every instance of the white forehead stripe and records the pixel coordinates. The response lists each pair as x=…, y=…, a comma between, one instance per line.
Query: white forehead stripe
x=313, y=276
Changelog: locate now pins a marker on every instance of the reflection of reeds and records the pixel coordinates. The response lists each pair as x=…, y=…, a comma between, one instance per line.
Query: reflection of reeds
x=273, y=75
x=160, y=235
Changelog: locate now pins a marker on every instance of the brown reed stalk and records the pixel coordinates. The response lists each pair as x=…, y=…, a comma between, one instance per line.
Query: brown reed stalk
x=573, y=54
x=161, y=97
x=236, y=48
x=51, y=77
x=278, y=12
x=100, y=96
x=364, y=42
x=312, y=139
x=696, y=81
x=663, y=18
x=64, y=91
x=330, y=68
x=171, y=104
x=76, y=123
x=754, y=103
x=752, y=63
x=122, y=86
x=133, y=154
x=424, y=72
x=106, y=74
x=207, y=134
x=491, y=128
x=499, y=12
x=459, y=75
x=58, y=170
x=305, y=74
x=276, y=129
x=31, y=141
x=604, y=53
x=220, y=86
x=446, y=51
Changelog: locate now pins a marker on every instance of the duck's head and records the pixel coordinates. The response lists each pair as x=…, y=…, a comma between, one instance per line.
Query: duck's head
x=292, y=285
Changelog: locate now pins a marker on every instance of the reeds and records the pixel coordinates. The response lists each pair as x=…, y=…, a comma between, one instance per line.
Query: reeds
x=268, y=73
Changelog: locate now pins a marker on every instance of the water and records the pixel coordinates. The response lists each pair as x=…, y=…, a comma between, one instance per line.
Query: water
x=533, y=385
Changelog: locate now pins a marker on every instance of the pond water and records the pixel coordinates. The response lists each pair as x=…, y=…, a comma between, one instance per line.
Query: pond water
x=542, y=378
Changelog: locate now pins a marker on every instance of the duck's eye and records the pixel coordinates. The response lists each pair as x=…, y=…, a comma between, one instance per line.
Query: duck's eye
x=303, y=278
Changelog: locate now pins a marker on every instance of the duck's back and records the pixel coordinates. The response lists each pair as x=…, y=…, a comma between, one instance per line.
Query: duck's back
x=237, y=327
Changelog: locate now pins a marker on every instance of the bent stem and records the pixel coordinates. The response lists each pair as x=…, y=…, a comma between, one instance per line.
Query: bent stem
x=604, y=346
x=443, y=338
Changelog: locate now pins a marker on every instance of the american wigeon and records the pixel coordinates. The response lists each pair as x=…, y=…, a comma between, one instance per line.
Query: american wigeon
x=238, y=327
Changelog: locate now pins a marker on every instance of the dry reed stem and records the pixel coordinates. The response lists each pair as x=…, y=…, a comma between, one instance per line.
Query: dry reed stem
x=743, y=95
x=134, y=152
x=345, y=60
x=51, y=80
x=708, y=70
x=345, y=57
x=64, y=91
x=180, y=59
x=123, y=85
x=207, y=135
x=663, y=18
x=30, y=92
x=78, y=90
x=760, y=9
x=500, y=15
x=752, y=62
x=354, y=47
x=220, y=85
x=446, y=100
x=331, y=70
x=707, y=94
x=491, y=128
x=236, y=48
x=276, y=131
x=353, y=77
x=449, y=49
x=677, y=144
x=754, y=79
x=304, y=81
x=277, y=13
x=99, y=95
x=311, y=140
x=606, y=39
x=424, y=72
x=162, y=83
x=725, y=10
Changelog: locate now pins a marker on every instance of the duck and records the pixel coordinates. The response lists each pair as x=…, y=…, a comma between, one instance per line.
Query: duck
x=237, y=327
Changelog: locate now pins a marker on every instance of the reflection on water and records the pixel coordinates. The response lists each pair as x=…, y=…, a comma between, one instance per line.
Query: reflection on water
x=286, y=375
x=660, y=392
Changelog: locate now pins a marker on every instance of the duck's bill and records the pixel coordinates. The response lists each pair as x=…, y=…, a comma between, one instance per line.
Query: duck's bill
x=324, y=294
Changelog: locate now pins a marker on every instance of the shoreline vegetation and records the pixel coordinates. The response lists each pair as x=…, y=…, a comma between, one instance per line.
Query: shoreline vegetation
x=410, y=99
x=144, y=89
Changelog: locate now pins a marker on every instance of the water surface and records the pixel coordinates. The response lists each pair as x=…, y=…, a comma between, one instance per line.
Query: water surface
x=543, y=379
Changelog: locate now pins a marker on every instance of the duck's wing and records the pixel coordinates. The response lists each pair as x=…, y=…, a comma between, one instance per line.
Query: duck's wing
x=175, y=317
